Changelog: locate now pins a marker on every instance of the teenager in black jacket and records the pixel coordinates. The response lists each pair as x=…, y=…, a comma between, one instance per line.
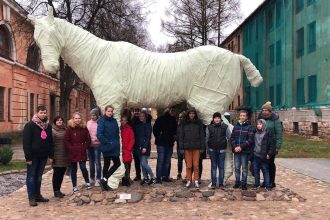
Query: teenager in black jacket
x=38, y=147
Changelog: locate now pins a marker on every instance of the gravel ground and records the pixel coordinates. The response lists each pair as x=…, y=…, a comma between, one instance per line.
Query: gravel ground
x=11, y=182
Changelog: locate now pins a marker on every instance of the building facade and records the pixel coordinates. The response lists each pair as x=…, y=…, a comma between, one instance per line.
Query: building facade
x=23, y=83
x=288, y=41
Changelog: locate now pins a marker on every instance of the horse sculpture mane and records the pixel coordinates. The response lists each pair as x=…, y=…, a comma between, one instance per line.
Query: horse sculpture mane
x=122, y=74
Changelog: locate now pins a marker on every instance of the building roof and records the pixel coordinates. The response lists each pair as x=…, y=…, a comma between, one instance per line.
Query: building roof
x=15, y=6
x=244, y=22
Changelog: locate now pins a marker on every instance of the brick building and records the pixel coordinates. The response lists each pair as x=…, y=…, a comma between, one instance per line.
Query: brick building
x=23, y=83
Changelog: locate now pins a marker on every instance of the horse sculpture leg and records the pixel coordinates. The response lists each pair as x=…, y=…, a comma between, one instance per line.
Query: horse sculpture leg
x=117, y=176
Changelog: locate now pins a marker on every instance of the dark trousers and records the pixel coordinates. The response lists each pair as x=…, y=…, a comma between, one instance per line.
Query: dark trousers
x=163, y=161
x=58, y=174
x=137, y=163
x=74, y=168
x=272, y=171
x=116, y=164
x=34, y=176
x=127, y=170
x=180, y=160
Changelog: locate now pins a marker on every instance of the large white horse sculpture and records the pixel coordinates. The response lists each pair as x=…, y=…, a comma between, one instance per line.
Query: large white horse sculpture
x=122, y=74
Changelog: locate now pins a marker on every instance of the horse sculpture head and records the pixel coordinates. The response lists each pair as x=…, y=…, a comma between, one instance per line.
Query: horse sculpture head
x=49, y=41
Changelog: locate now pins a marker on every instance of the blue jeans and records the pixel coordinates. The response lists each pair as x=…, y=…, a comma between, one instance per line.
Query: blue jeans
x=34, y=176
x=258, y=164
x=164, y=155
x=94, y=156
x=241, y=159
x=146, y=170
x=217, y=161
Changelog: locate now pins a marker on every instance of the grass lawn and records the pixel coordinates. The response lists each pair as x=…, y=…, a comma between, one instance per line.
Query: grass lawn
x=295, y=146
x=13, y=165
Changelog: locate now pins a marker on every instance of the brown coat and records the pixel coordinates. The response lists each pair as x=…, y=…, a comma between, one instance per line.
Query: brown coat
x=60, y=152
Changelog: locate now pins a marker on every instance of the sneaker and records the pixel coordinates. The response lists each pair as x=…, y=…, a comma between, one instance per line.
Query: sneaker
x=221, y=186
x=58, y=194
x=244, y=187
x=40, y=198
x=144, y=181
x=32, y=202
x=268, y=188
x=196, y=184
x=104, y=185
x=213, y=186
x=97, y=183
x=273, y=185
x=199, y=181
x=158, y=181
x=92, y=181
x=88, y=185
x=167, y=179
x=188, y=184
x=152, y=181
x=255, y=187
x=236, y=186
x=179, y=176
x=75, y=189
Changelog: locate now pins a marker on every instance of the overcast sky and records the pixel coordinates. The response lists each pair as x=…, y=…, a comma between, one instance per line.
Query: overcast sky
x=157, y=11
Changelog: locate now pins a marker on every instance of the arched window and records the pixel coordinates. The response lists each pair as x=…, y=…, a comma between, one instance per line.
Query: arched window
x=33, y=57
x=4, y=42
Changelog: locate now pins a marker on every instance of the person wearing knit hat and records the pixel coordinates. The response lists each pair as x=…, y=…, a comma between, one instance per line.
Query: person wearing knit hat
x=94, y=153
x=274, y=125
x=216, y=143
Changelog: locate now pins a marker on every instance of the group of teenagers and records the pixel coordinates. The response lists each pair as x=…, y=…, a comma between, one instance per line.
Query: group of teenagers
x=67, y=146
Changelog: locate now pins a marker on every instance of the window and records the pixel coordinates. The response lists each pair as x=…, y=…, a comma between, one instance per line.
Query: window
x=84, y=103
x=239, y=43
x=271, y=55
x=247, y=95
x=279, y=12
x=300, y=43
x=239, y=100
x=279, y=95
x=4, y=42
x=300, y=91
x=257, y=28
x=299, y=5
x=315, y=129
x=278, y=53
x=258, y=99
x=296, y=127
x=2, y=103
x=310, y=2
x=257, y=60
x=269, y=20
x=312, y=90
x=33, y=57
x=31, y=105
x=271, y=94
x=9, y=104
x=311, y=37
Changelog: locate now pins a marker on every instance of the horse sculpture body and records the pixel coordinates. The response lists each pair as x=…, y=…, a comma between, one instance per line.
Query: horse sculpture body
x=122, y=74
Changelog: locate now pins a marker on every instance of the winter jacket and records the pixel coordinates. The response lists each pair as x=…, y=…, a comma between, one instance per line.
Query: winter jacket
x=192, y=135
x=127, y=140
x=274, y=125
x=165, y=130
x=76, y=140
x=216, y=136
x=60, y=152
x=33, y=145
x=108, y=135
x=243, y=136
x=92, y=128
x=142, y=133
x=267, y=146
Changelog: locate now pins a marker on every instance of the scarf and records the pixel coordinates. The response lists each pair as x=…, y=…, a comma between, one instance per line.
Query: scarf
x=43, y=124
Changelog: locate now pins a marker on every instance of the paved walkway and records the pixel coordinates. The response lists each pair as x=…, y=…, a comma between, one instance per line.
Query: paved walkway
x=313, y=167
x=317, y=193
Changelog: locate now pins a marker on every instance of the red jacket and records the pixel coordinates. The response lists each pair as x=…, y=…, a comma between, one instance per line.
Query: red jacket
x=127, y=138
x=76, y=140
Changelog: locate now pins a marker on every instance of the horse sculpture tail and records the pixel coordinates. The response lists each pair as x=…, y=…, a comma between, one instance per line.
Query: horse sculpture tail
x=252, y=74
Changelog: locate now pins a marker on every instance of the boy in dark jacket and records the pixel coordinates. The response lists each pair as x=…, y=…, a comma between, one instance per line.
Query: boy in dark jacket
x=242, y=142
x=38, y=147
x=164, y=131
x=216, y=142
x=264, y=150
x=192, y=142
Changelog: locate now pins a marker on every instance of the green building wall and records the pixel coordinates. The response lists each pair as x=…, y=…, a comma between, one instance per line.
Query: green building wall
x=289, y=42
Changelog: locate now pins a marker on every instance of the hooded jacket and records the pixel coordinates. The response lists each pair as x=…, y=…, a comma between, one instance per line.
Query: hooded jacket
x=165, y=130
x=192, y=135
x=108, y=135
x=142, y=132
x=76, y=141
x=127, y=138
x=243, y=136
x=274, y=125
x=266, y=144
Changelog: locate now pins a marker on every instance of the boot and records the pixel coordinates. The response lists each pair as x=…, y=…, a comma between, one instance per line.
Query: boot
x=32, y=202
x=58, y=194
x=40, y=198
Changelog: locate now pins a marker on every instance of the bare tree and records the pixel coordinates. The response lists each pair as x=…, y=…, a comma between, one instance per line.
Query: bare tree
x=199, y=22
x=108, y=19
